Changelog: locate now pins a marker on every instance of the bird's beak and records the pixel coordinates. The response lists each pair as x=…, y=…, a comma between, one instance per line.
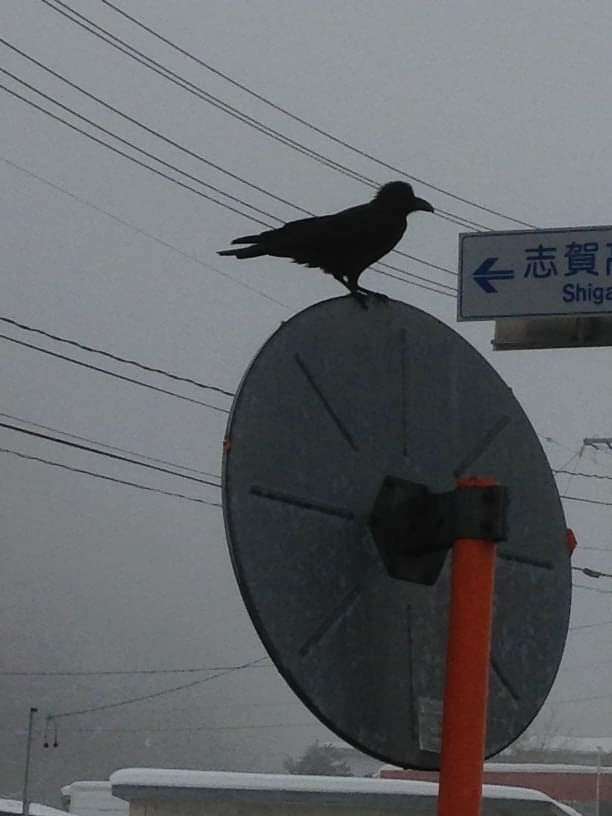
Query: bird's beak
x=421, y=204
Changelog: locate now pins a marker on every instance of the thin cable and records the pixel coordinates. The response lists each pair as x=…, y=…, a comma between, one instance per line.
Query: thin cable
x=109, y=447
x=151, y=236
x=131, y=158
x=176, y=169
x=199, y=156
x=187, y=186
x=452, y=289
x=309, y=124
x=152, y=131
x=196, y=728
x=127, y=360
x=153, y=65
x=135, y=147
x=88, y=449
x=583, y=475
x=112, y=373
x=154, y=695
x=109, y=673
x=95, y=475
x=590, y=625
x=587, y=501
x=593, y=589
x=592, y=573
x=411, y=283
x=583, y=699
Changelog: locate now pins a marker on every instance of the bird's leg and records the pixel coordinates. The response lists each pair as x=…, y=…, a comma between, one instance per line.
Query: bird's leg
x=360, y=297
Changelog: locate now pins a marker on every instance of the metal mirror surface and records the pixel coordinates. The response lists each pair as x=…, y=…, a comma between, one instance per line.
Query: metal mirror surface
x=336, y=400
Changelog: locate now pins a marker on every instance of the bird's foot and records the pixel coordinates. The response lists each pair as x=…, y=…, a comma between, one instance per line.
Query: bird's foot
x=376, y=295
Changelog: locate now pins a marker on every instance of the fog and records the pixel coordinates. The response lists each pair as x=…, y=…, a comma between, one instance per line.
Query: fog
x=504, y=105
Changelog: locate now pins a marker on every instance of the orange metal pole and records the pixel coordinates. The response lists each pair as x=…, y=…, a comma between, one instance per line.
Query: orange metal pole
x=467, y=673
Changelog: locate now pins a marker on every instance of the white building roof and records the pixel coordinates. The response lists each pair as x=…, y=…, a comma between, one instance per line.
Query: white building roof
x=140, y=783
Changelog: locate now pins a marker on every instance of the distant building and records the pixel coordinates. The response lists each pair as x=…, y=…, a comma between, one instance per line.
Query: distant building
x=92, y=799
x=579, y=786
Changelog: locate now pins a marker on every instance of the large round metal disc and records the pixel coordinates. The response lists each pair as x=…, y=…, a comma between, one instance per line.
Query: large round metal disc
x=337, y=399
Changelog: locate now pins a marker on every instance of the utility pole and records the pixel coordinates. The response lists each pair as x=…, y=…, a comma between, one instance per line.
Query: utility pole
x=26, y=776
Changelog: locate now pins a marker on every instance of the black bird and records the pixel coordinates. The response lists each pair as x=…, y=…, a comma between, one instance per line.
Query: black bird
x=343, y=244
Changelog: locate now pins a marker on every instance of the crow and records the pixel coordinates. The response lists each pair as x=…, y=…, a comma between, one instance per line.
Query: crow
x=343, y=244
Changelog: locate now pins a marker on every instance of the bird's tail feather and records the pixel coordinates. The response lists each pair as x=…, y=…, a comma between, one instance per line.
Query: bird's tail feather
x=245, y=252
x=247, y=239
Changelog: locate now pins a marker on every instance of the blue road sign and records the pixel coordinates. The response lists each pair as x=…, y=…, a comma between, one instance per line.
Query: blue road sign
x=535, y=273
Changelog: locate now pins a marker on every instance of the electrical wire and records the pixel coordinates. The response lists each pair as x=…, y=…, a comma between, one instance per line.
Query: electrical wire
x=117, y=672
x=131, y=158
x=95, y=350
x=154, y=695
x=112, y=374
x=138, y=149
x=109, y=447
x=117, y=457
x=95, y=475
x=130, y=51
x=189, y=187
x=583, y=475
x=593, y=589
x=590, y=625
x=582, y=699
x=592, y=573
x=309, y=124
x=139, y=231
x=587, y=501
x=189, y=152
x=152, y=131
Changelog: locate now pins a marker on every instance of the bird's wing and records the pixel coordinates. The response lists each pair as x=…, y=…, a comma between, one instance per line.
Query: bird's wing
x=311, y=240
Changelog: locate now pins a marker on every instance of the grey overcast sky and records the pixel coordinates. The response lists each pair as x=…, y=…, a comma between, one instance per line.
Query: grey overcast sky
x=503, y=103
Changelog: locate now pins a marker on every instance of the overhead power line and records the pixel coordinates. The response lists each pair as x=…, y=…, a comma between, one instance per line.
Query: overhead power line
x=138, y=149
x=185, y=150
x=593, y=589
x=194, y=728
x=117, y=672
x=587, y=501
x=582, y=475
x=154, y=695
x=139, y=231
x=193, y=154
x=89, y=449
x=108, y=447
x=590, y=625
x=130, y=158
x=451, y=290
x=112, y=373
x=116, y=357
x=148, y=62
x=106, y=478
x=310, y=125
x=592, y=573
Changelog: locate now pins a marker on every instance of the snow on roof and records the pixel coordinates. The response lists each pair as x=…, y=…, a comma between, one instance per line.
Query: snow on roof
x=528, y=767
x=16, y=806
x=541, y=767
x=67, y=790
x=128, y=780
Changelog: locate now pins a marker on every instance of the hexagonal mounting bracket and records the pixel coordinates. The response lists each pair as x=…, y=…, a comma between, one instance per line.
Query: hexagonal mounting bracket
x=414, y=528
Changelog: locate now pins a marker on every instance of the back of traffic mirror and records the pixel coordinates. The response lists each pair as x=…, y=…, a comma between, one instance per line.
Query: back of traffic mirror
x=339, y=402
